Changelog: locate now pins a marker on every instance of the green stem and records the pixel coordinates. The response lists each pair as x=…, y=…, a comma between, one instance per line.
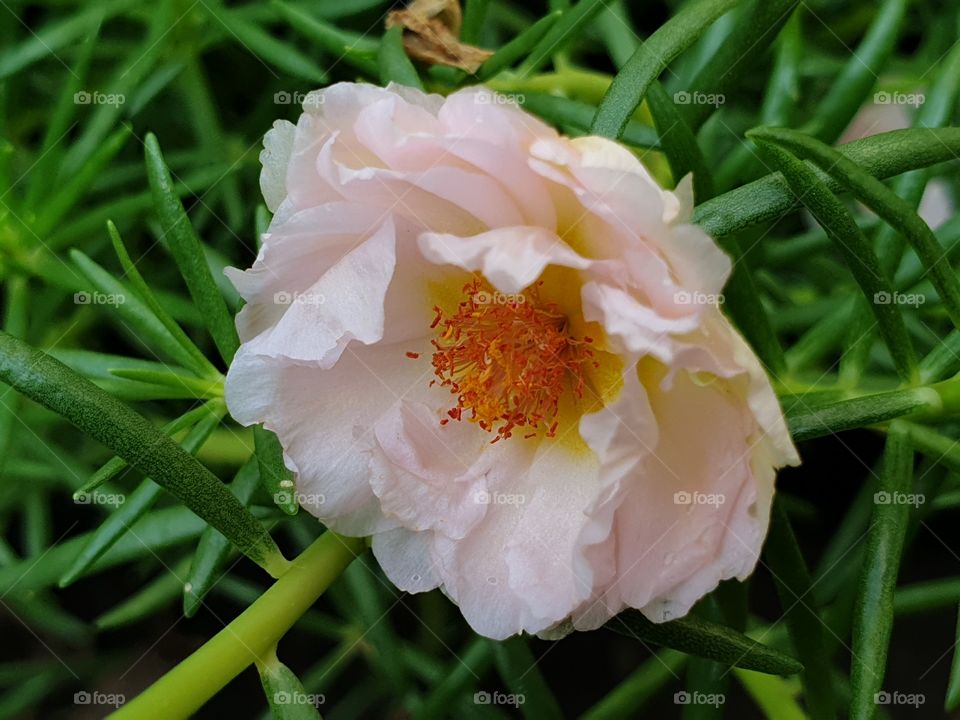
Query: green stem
x=587, y=85
x=248, y=639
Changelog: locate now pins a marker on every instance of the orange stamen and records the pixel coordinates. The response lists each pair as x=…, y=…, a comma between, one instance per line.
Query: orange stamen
x=509, y=362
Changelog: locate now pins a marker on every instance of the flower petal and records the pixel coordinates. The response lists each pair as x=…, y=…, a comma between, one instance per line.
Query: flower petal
x=407, y=559
x=325, y=421
x=511, y=258
x=345, y=304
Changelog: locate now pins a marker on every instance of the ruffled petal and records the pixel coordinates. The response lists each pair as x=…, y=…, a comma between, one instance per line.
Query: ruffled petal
x=430, y=476
x=324, y=420
x=345, y=304
x=511, y=258
x=407, y=559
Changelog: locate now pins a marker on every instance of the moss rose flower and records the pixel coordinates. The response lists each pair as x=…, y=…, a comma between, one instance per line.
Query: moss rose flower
x=498, y=351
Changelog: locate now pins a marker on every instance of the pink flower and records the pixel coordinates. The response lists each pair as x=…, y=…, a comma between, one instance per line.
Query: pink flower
x=498, y=351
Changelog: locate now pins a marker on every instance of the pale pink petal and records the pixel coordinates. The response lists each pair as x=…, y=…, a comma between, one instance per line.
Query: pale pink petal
x=407, y=559
x=430, y=475
x=511, y=258
x=345, y=304
x=275, y=158
x=325, y=421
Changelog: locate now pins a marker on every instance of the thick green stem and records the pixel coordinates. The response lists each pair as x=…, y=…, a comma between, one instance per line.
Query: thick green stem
x=587, y=85
x=249, y=638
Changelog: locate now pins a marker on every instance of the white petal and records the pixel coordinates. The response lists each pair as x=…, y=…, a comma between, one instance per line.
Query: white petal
x=325, y=420
x=511, y=258
x=346, y=304
x=522, y=568
x=275, y=157
x=407, y=559
x=428, y=475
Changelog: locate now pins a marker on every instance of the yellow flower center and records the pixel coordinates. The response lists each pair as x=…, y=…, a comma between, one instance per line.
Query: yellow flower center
x=508, y=359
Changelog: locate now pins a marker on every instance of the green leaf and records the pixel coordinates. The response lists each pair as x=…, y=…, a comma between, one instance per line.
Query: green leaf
x=616, y=31
x=853, y=246
x=56, y=35
x=705, y=639
x=738, y=54
x=779, y=99
x=627, y=698
x=188, y=253
x=564, y=112
x=213, y=548
x=141, y=605
x=132, y=437
x=133, y=315
x=873, y=615
x=560, y=34
x=776, y=697
x=42, y=177
x=517, y=48
x=952, y=699
x=259, y=43
x=197, y=387
x=851, y=88
x=199, y=363
x=943, y=360
x=789, y=570
x=274, y=475
x=926, y=596
x=393, y=62
x=129, y=509
x=518, y=669
x=357, y=50
x=474, y=16
x=129, y=75
x=936, y=111
x=285, y=693
x=368, y=609
x=473, y=662
x=879, y=198
x=707, y=677
x=679, y=143
x=630, y=84
x=808, y=422
x=70, y=192
x=823, y=337
x=149, y=536
x=883, y=155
